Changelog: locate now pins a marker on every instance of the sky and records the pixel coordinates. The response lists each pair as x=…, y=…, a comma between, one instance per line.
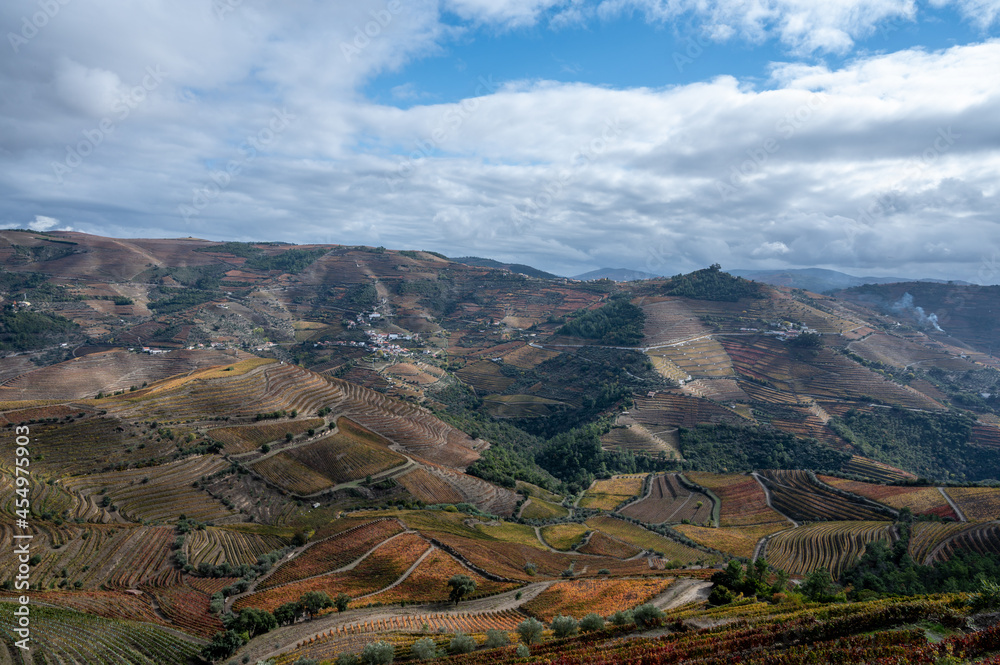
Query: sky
x=655, y=135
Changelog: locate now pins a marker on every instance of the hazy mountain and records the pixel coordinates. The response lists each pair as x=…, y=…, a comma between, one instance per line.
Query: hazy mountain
x=513, y=267
x=820, y=280
x=615, y=275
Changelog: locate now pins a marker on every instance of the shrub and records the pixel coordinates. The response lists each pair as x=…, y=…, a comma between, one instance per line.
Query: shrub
x=377, y=653
x=461, y=643
x=564, y=626
x=530, y=630
x=496, y=638
x=988, y=597
x=522, y=651
x=622, y=618
x=424, y=649
x=461, y=586
x=530, y=568
x=303, y=661
x=647, y=616
x=347, y=659
x=591, y=622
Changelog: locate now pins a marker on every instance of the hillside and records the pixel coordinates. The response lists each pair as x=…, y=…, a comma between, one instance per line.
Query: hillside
x=226, y=427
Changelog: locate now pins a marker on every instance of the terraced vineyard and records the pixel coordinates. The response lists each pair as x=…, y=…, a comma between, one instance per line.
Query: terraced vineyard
x=563, y=536
x=794, y=494
x=977, y=503
x=428, y=488
x=869, y=468
x=986, y=435
x=743, y=500
x=699, y=358
x=217, y=545
x=161, y=494
x=925, y=536
x=830, y=545
x=335, y=459
x=577, y=598
x=485, y=376
x=245, y=438
x=647, y=540
x=737, y=541
x=539, y=509
x=607, y=494
x=979, y=538
x=509, y=560
x=670, y=501
x=601, y=544
x=677, y=410
x=428, y=583
x=109, y=371
x=637, y=438
x=73, y=637
x=333, y=553
x=921, y=500
x=401, y=632
x=377, y=571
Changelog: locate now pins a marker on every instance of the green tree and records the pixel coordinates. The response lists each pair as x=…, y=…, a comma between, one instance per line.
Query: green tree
x=341, y=601
x=647, y=616
x=314, y=601
x=461, y=643
x=564, y=626
x=460, y=587
x=496, y=638
x=251, y=621
x=591, y=622
x=424, y=649
x=378, y=653
x=819, y=586
x=223, y=645
x=286, y=614
x=530, y=630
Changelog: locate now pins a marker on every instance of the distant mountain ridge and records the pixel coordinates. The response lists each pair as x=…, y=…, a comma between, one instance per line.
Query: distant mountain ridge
x=616, y=275
x=821, y=280
x=513, y=267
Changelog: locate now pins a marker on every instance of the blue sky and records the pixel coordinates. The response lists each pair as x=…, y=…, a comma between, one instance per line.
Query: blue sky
x=656, y=135
x=629, y=50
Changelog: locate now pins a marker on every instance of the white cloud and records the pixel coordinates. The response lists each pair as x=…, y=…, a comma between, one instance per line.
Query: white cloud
x=509, y=13
x=802, y=25
x=842, y=182
x=43, y=223
x=983, y=13
x=770, y=249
